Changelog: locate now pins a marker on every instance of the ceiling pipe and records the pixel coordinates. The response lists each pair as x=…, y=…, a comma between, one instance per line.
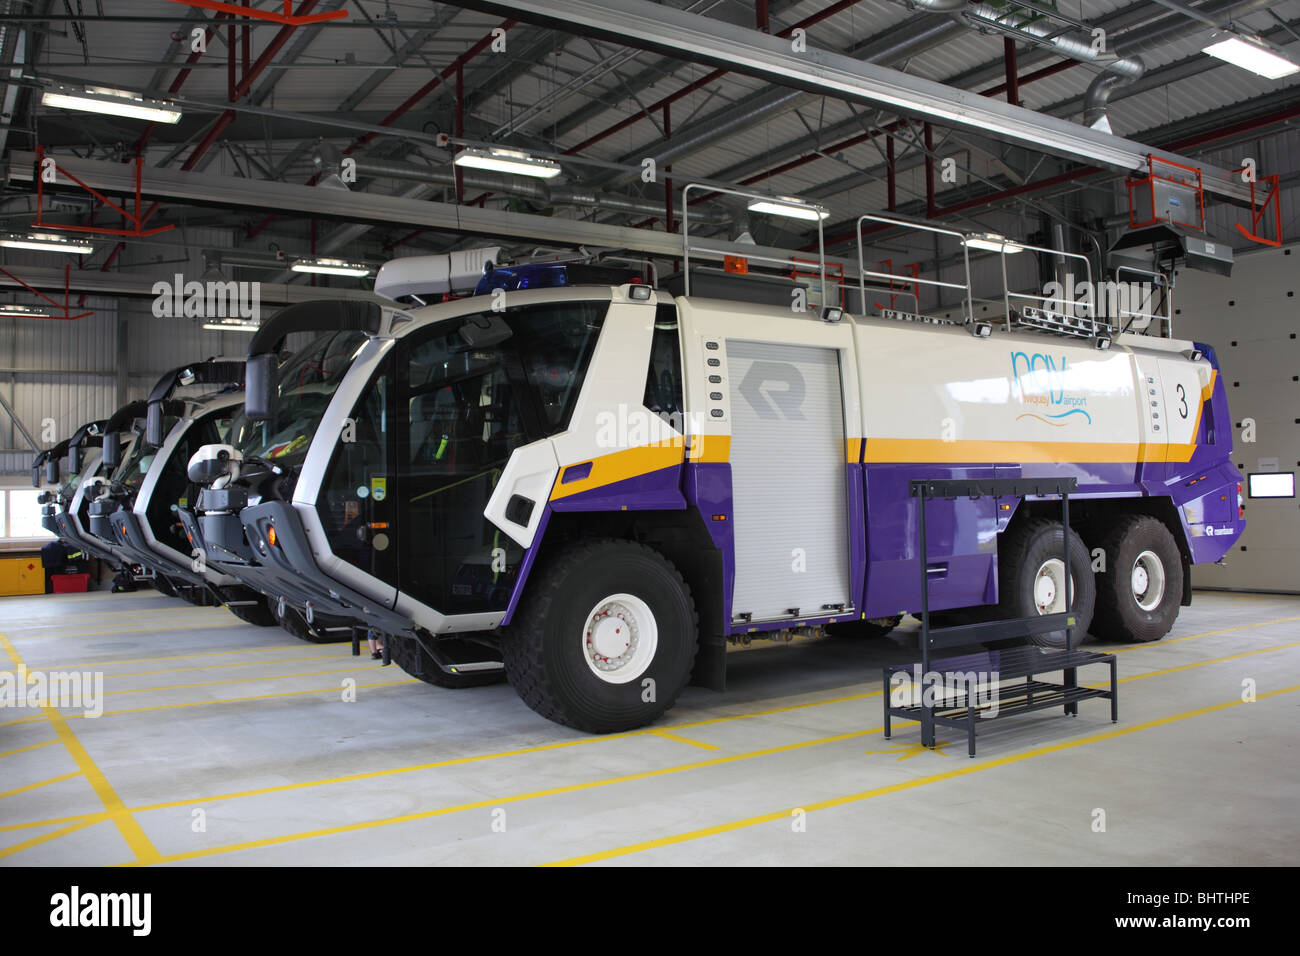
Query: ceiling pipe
x=1185, y=23
x=1118, y=70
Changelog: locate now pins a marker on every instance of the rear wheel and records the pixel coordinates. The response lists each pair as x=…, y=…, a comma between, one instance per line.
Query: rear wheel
x=605, y=639
x=408, y=654
x=1141, y=588
x=1032, y=578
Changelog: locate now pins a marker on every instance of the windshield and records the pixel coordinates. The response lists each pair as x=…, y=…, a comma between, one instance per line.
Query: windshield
x=306, y=383
x=135, y=466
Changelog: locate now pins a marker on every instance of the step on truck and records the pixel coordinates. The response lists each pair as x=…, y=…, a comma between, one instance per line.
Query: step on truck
x=597, y=487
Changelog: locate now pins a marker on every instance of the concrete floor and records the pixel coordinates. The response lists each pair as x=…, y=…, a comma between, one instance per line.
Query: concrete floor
x=223, y=743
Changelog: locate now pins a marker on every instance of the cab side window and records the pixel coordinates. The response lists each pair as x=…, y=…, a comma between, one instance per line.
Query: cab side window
x=663, y=384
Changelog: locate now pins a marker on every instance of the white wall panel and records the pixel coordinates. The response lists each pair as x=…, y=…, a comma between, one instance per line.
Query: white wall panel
x=1253, y=322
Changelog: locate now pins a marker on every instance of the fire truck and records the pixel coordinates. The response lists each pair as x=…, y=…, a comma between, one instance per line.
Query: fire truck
x=592, y=484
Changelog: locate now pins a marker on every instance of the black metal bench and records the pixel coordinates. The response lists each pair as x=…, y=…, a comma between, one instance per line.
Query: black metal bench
x=959, y=691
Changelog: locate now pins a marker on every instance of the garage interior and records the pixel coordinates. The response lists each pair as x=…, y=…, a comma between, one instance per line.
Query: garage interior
x=294, y=149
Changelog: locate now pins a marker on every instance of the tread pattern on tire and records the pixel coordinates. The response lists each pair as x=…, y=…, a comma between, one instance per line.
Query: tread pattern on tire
x=522, y=649
x=1011, y=554
x=1108, y=620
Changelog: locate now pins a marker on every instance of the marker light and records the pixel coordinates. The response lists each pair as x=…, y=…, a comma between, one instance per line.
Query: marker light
x=507, y=161
x=271, y=537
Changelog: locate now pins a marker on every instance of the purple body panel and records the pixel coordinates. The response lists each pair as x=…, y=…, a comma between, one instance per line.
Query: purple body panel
x=962, y=533
x=654, y=491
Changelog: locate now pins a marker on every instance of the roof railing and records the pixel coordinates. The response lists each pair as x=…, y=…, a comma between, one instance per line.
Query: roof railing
x=864, y=273
x=806, y=210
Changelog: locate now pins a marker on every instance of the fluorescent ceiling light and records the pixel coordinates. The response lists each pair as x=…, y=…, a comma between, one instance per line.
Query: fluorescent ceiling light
x=331, y=267
x=22, y=312
x=789, y=207
x=46, y=242
x=507, y=161
x=231, y=326
x=1253, y=57
x=100, y=99
x=992, y=243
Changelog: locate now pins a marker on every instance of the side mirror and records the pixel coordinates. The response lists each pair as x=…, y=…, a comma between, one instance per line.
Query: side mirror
x=52, y=471
x=112, y=450
x=153, y=426
x=74, y=459
x=259, y=387
x=36, y=477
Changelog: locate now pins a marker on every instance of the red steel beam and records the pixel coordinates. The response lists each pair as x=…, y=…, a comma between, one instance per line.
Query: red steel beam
x=227, y=117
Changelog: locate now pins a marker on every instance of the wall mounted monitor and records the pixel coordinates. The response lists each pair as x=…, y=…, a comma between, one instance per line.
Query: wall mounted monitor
x=1275, y=484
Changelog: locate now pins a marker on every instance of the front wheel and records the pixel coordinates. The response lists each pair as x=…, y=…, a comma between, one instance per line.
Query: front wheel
x=606, y=638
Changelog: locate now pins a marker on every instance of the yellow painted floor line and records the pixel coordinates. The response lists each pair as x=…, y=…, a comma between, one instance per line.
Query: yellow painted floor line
x=580, y=741
x=959, y=771
x=20, y=750
x=93, y=817
x=1191, y=637
x=516, y=798
x=214, y=622
x=220, y=700
x=558, y=745
x=238, y=680
x=95, y=665
x=45, y=838
x=126, y=824
x=214, y=667
x=555, y=791
x=684, y=740
x=39, y=784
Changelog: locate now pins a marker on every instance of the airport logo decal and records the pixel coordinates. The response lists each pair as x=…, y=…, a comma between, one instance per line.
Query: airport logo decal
x=1039, y=382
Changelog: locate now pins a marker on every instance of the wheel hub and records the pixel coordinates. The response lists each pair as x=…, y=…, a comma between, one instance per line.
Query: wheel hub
x=619, y=638
x=1148, y=580
x=1049, y=587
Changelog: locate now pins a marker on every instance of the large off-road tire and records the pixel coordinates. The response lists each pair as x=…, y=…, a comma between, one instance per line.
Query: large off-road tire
x=871, y=627
x=258, y=614
x=408, y=654
x=605, y=639
x=1031, y=578
x=1141, y=588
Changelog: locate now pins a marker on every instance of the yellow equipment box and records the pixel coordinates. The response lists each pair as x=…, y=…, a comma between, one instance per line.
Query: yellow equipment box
x=21, y=576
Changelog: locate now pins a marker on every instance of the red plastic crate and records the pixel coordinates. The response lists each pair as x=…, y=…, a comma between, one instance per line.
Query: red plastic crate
x=70, y=583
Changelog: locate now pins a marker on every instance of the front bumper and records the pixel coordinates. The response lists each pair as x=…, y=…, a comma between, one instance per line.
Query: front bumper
x=132, y=542
x=287, y=571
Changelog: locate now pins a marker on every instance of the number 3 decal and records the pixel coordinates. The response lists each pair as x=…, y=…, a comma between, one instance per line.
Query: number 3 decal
x=1182, y=400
